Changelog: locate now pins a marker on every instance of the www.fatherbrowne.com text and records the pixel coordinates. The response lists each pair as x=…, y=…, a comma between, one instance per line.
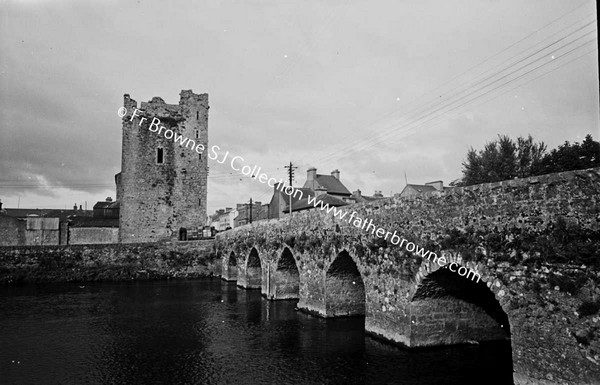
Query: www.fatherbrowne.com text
x=394, y=238
x=356, y=221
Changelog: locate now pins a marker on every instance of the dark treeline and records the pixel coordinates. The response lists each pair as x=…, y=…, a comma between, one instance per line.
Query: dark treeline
x=504, y=159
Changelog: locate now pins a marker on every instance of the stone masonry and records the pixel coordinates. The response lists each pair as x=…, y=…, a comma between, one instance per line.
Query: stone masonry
x=162, y=184
x=521, y=236
x=106, y=262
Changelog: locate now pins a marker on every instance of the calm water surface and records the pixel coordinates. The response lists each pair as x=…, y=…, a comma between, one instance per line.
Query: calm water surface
x=208, y=332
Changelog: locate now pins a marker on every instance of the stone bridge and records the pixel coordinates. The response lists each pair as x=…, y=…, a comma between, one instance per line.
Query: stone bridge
x=533, y=242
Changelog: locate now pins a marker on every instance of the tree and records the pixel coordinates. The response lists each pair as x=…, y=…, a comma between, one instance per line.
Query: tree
x=572, y=156
x=502, y=159
x=529, y=157
x=472, y=169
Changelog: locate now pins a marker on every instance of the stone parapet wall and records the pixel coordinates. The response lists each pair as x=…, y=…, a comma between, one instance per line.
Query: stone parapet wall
x=90, y=235
x=22, y=264
x=534, y=241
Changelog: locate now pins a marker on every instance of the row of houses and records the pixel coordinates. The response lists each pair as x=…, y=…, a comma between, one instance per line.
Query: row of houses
x=36, y=227
x=101, y=225
x=325, y=188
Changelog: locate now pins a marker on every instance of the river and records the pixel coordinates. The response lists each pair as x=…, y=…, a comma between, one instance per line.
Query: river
x=208, y=331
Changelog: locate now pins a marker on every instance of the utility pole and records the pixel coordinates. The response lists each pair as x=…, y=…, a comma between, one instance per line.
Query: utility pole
x=291, y=169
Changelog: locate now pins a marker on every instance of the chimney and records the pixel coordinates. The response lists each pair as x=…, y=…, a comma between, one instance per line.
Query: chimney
x=75, y=206
x=80, y=208
x=311, y=178
x=336, y=174
x=378, y=194
x=0, y=205
x=357, y=193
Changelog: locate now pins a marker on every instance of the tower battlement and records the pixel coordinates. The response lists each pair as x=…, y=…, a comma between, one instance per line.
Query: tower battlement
x=162, y=185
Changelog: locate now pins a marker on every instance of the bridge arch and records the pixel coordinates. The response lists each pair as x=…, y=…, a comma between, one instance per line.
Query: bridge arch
x=448, y=308
x=285, y=281
x=495, y=285
x=253, y=271
x=344, y=288
x=230, y=268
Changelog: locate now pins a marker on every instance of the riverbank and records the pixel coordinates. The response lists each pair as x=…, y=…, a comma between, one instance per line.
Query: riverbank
x=107, y=262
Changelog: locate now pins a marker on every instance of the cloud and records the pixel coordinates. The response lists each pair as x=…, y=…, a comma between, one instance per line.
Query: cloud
x=306, y=82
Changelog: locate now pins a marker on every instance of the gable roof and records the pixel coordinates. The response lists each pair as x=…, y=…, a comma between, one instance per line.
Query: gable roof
x=295, y=196
x=106, y=205
x=303, y=204
x=331, y=184
x=421, y=188
x=366, y=198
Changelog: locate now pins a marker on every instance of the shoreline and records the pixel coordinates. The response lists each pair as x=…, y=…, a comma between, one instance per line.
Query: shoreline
x=103, y=274
x=106, y=262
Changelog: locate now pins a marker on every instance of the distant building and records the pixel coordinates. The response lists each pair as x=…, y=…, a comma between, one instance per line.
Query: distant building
x=321, y=196
x=245, y=214
x=223, y=219
x=330, y=183
x=37, y=227
x=412, y=190
x=327, y=189
x=359, y=198
x=42, y=231
x=280, y=200
x=107, y=209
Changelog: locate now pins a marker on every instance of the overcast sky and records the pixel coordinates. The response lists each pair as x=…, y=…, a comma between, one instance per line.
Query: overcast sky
x=375, y=89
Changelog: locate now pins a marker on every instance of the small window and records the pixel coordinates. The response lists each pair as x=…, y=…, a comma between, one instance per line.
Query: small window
x=199, y=201
x=197, y=134
x=200, y=156
x=197, y=117
x=159, y=156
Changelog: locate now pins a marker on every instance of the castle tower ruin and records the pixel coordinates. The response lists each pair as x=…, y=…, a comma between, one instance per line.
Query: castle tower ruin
x=162, y=184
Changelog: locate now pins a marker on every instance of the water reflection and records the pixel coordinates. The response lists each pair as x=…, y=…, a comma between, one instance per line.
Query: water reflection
x=209, y=332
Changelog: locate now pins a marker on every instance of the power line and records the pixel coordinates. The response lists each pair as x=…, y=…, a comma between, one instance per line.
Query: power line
x=514, y=44
x=504, y=50
x=519, y=85
x=447, y=103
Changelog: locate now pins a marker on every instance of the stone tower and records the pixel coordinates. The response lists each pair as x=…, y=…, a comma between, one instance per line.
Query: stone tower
x=162, y=184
